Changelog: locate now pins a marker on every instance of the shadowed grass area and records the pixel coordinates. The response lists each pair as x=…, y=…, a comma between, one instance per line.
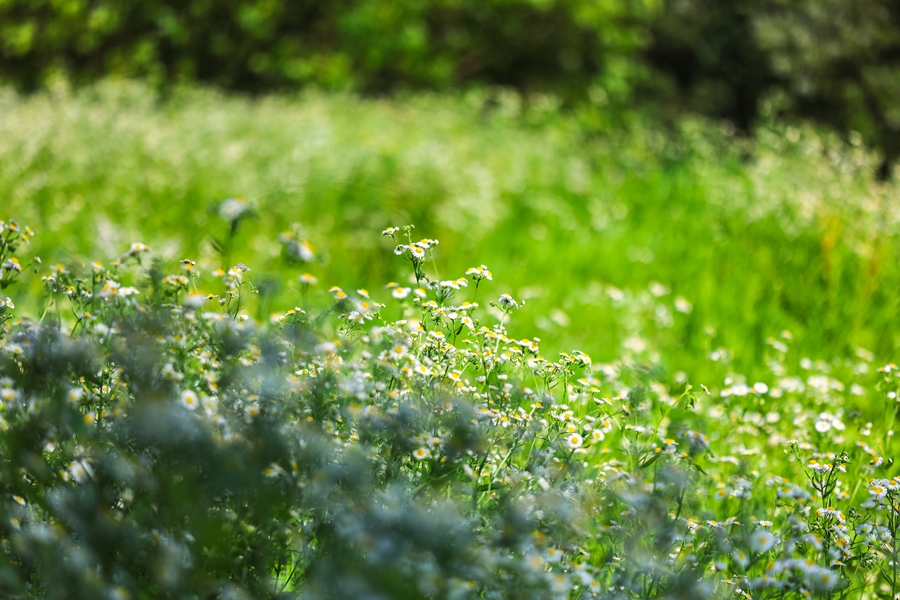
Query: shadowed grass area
x=673, y=244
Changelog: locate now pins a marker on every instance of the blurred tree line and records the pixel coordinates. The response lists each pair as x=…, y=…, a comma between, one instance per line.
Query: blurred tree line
x=835, y=61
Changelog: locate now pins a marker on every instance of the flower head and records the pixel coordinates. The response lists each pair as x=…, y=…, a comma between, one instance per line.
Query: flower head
x=762, y=541
x=506, y=301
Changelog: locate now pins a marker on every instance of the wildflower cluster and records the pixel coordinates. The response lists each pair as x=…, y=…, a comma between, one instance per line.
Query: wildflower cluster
x=407, y=442
x=295, y=247
x=12, y=236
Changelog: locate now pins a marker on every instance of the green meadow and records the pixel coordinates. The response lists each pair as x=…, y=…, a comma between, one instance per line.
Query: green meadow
x=619, y=361
x=599, y=233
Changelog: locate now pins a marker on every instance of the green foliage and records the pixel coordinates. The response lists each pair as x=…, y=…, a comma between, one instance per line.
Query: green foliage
x=707, y=60
x=837, y=63
x=368, y=45
x=834, y=61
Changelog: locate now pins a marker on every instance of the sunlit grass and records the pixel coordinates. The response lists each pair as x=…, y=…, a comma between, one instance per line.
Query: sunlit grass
x=748, y=238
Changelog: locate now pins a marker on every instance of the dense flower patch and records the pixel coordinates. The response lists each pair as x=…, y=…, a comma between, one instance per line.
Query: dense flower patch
x=156, y=442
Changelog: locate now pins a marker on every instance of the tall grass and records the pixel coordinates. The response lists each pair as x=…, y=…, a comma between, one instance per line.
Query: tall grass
x=672, y=243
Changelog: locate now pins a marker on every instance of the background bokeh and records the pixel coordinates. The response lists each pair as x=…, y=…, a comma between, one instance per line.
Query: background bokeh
x=835, y=61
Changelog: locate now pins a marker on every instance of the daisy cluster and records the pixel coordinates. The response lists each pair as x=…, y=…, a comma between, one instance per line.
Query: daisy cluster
x=410, y=442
